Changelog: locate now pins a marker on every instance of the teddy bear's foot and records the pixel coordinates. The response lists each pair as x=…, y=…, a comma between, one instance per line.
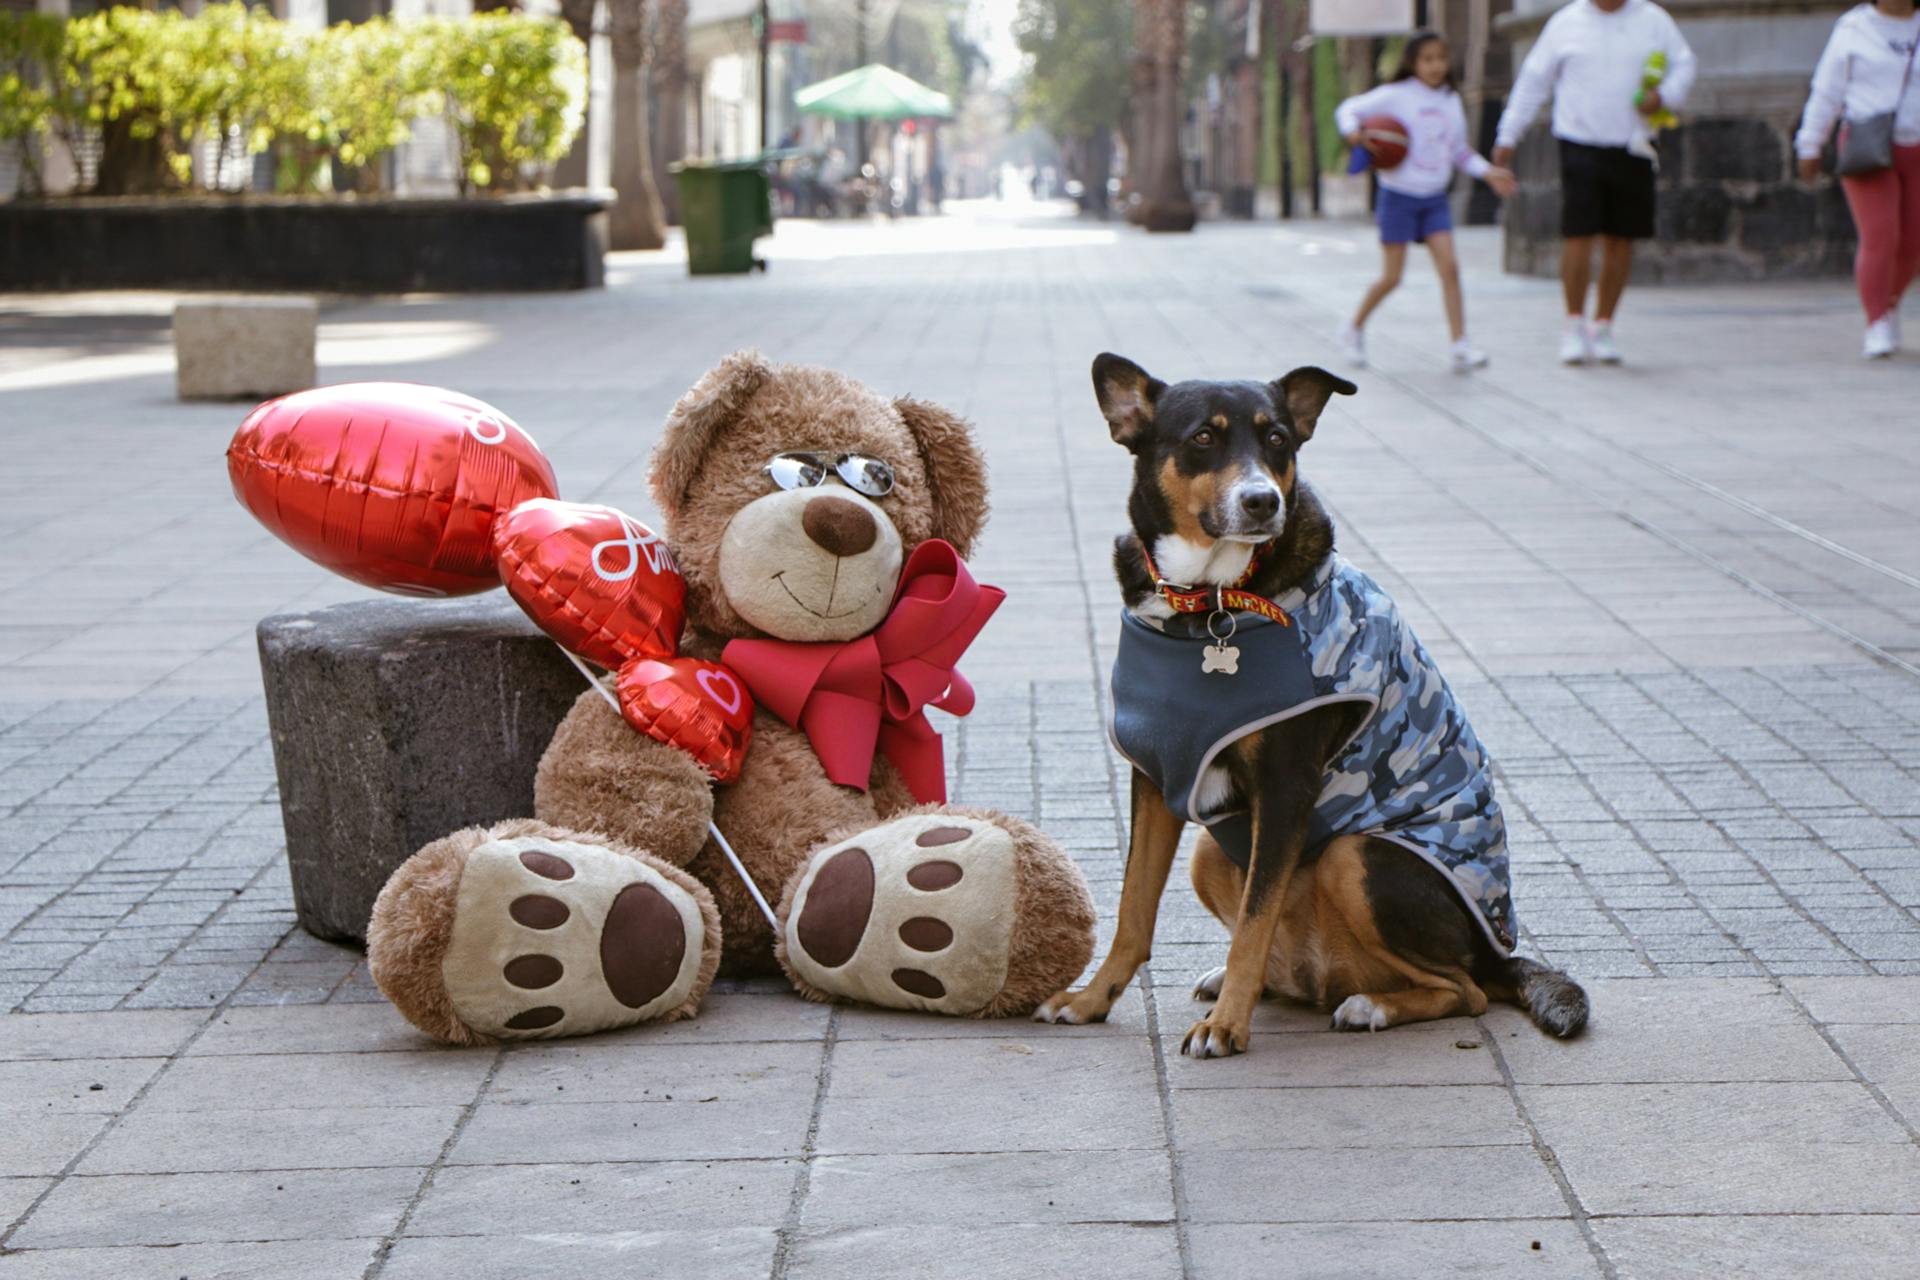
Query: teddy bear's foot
x=546, y=934
x=955, y=911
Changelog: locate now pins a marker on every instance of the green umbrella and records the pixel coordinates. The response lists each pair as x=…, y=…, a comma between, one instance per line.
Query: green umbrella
x=873, y=92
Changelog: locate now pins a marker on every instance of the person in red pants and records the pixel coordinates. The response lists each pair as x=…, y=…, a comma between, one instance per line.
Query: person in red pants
x=1866, y=71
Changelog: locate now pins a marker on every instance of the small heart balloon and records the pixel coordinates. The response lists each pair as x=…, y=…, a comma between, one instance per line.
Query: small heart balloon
x=700, y=707
x=595, y=579
x=391, y=484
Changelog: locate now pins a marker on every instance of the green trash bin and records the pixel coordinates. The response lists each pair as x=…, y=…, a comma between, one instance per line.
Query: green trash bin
x=724, y=204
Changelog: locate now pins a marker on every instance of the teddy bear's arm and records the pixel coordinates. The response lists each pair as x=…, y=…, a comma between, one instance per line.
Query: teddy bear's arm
x=600, y=774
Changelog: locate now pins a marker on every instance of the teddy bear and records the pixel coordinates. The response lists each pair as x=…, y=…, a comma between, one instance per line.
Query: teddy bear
x=799, y=505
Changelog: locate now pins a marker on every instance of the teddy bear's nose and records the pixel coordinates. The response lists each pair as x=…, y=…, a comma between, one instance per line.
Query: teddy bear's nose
x=839, y=526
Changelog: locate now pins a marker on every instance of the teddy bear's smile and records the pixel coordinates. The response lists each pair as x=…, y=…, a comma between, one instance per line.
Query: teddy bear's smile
x=826, y=613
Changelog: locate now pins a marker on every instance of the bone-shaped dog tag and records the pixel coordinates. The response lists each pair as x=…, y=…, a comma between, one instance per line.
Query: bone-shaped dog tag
x=1221, y=658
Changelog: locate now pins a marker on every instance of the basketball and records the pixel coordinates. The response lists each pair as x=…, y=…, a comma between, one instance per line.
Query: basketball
x=1385, y=139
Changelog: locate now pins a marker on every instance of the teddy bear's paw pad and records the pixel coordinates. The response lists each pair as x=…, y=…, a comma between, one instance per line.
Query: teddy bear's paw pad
x=557, y=938
x=915, y=914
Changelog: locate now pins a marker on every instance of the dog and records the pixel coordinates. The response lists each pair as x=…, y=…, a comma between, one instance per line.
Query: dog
x=1270, y=692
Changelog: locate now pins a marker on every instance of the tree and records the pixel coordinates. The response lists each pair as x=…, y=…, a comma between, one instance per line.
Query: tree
x=1074, y=48
x=1160, y=41
x=669, y=80
x=637, y=220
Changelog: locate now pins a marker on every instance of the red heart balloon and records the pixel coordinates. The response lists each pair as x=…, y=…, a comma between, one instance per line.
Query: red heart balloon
x=392, y=484
x=700, y=707
x=595, y=579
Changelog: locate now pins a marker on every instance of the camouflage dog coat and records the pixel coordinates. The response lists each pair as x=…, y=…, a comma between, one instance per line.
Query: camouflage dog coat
x=1413, y=772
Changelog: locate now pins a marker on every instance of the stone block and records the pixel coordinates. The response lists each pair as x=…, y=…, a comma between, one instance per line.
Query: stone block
x=395, y=722
x=242, y=348
x=1696, y=214
x=1778, y=218
x=1732, y=150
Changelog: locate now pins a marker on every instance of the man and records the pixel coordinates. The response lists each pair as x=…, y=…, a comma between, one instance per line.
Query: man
x=1590, y=59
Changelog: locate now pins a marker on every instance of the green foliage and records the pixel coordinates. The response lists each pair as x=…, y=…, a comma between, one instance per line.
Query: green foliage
x=1079, y=54
x=513, y=87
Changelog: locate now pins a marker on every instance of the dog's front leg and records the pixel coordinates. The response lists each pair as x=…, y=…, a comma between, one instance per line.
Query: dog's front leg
x=1282, y=806
x=1154, y=837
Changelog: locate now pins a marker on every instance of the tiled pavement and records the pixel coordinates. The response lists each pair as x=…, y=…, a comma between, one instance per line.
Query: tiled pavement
x=1659, y=590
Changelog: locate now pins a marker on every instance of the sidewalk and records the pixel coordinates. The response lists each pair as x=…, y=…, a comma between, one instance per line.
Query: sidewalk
x=1680, y=599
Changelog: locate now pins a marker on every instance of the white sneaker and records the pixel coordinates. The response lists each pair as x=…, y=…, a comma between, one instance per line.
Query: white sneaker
x=1603, y=349
x=1353, y=346
x=1882, y=340
x=1466, y=357
x=1893, y=324
x=1574, y=346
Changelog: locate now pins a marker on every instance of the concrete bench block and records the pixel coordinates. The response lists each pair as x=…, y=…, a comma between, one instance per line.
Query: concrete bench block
x=394, y=723
x=241, y=348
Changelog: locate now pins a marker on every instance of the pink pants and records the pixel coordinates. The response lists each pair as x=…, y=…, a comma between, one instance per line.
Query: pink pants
x=1886, y=211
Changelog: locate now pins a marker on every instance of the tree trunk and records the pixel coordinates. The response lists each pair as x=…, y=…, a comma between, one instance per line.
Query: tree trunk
x=572, y=168
x=1160, y=36
x=637, y=221
x=669, y=80
x=1098, y=150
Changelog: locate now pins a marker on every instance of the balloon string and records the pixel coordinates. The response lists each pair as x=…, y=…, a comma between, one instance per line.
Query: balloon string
x=739, y=868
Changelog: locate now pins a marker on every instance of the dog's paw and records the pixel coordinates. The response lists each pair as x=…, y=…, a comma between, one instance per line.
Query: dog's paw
x=1358, y=1013
x=914, y=914
x=1208, y=988
x=1077, y=1008
x=558, y=938
x=1216, y=1037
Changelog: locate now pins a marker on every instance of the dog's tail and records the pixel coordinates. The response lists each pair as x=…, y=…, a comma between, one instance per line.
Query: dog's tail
x=1555, y=1002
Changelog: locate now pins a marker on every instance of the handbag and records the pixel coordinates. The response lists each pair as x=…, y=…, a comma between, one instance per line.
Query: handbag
x=1866, y=146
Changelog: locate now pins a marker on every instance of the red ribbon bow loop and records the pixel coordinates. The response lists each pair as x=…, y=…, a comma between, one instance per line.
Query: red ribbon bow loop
x=854, y=697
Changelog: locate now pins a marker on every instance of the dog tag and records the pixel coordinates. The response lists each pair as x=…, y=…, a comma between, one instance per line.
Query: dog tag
x=1221, y=658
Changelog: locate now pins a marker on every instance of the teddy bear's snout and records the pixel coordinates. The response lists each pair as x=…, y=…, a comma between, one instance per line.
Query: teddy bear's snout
x=839, y=526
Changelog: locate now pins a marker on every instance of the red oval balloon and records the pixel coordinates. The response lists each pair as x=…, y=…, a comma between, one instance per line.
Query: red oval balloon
x=700, y=707
x=391, y=484
x=595, y=579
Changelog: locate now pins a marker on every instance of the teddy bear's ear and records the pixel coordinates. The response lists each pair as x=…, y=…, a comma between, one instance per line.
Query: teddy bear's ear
x=955, y=469
x=707, y=407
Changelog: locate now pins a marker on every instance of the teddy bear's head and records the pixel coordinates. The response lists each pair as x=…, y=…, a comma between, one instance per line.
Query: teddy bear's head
x=807, y=547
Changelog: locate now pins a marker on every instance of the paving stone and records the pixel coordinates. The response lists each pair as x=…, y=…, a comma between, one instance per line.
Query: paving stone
x=194, y=1208
x=1031, y=1094
x=442, y=1077
x=983, y=1190
x=1368, y=1184
x=1380, y=1116
x=1877, y=1247
x=1419, y=1054
x=1359, y=1251
x=584, y=1199
x=1651, y=1116
x=1798, y=1176
x=33, y=1144
x=628, y=1070
x=157, y=1141
x=717, y=1253
x=17, y=1193
x=65, y=1035
x=317, y=1028
x=233, y=1260
x=68, y=1084
x=1114, y=1252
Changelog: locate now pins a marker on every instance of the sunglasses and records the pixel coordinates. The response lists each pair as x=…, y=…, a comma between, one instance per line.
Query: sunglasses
x=803, y=470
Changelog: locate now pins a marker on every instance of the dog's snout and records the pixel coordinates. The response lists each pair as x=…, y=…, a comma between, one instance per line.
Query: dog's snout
x=1261, y=502
x=838, y=526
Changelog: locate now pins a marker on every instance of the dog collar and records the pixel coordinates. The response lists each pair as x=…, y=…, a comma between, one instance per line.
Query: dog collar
x=1231, y=598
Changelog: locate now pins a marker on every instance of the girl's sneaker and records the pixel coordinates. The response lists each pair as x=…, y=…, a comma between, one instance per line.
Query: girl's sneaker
x=1574, y=345
x=1603, y=349
x=1353, y=346
x=1881, y=341
x=1466, y=357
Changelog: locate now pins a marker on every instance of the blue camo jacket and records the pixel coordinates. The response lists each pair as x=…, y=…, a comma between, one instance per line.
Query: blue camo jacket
x=1413, y=773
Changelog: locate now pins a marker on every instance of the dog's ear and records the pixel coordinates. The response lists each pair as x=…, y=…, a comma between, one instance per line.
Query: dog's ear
x=696, y=422
x=1126, y=393
x=956, y=471
x=1305, y=392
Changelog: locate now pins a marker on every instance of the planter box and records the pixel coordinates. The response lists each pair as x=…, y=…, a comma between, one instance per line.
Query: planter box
x=341, y=244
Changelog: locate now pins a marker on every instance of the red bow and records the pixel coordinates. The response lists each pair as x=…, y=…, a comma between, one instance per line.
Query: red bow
x=855, y=696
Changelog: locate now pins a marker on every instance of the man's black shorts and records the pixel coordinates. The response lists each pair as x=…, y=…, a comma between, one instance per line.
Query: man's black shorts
x=1605, y=191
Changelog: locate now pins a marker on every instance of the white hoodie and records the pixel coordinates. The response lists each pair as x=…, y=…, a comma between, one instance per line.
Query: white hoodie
x=1859, y=76
x=1436, y=134
x=1591, y=63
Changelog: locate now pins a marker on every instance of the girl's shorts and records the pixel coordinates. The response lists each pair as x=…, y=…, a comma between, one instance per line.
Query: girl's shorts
x=1406, y=218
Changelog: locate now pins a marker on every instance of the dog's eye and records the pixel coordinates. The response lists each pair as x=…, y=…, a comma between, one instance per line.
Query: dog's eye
x=1277, y=438
x=1201, y=438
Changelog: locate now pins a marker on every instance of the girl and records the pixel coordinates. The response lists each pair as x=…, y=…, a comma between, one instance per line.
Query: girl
x=1867, y=70
x=1413, y=195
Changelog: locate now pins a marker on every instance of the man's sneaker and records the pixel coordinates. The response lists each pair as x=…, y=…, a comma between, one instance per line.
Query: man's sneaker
x=1881, y=340
x=1574, y=347
x=1466, y=357
x=1603, y=349
x=1353, y=346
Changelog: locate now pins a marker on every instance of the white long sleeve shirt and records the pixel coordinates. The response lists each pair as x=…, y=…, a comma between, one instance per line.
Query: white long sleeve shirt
x=1590, y=62
x=1436, y=134
x=1859, y=76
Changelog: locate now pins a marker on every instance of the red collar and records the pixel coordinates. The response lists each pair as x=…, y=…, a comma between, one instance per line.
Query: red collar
x=1217, y=599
